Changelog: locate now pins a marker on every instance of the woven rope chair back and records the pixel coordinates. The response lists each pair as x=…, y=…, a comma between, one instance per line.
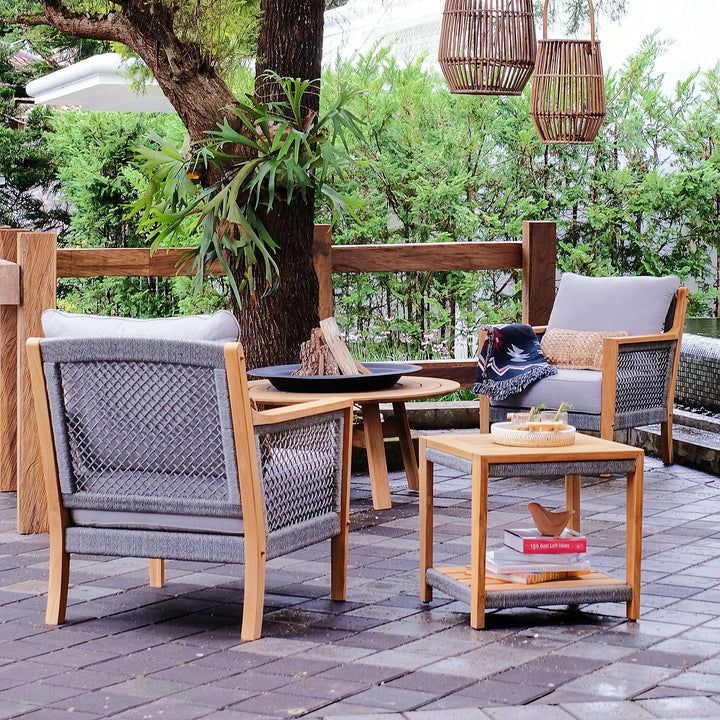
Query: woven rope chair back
x=142, y=425
x=567, y=100
x=487, y=47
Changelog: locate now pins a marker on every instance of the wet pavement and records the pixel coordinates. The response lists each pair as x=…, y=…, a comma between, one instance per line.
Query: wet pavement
x=129, y=651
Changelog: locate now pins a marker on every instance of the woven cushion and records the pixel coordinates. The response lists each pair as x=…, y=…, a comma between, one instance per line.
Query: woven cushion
x=575, y=349
x=221, y=326
x=638, y=305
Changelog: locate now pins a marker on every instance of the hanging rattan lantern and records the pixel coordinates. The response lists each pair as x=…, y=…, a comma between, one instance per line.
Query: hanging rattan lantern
x=487, y=47
x=567, y=100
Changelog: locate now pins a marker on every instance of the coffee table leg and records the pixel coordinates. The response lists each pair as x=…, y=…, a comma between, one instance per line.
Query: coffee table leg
x=426, y=521
x=572, y=500
x=406, y=446
x=634, y=536
x=377, y=464
x=478, y=542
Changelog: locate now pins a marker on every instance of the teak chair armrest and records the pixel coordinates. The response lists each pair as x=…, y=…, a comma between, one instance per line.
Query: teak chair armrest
x=306, y=409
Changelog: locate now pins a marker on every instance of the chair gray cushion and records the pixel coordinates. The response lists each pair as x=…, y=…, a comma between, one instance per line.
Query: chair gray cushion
x=638, y=305
x=221, y=326
x=165, y=522
x=581, y=388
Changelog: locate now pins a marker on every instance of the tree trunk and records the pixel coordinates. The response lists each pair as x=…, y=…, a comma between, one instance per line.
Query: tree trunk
x=290, y=43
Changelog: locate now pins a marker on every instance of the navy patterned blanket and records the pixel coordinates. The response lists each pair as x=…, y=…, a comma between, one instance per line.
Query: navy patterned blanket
x=510, y=360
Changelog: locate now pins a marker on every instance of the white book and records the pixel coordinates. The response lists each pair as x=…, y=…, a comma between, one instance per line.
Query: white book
x=507, y=556
x=505, y=567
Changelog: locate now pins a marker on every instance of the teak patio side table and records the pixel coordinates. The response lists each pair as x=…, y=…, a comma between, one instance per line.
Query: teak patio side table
x=371, y=435
x=477, y=455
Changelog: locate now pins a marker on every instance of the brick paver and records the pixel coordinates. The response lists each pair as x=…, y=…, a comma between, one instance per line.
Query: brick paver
x=129, y=651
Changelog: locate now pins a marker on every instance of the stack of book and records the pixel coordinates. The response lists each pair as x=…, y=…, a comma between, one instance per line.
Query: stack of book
x=528, y=557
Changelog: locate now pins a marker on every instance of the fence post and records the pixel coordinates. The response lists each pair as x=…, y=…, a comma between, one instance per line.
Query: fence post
x=322, y=248
x=539, y=256
x=8, y=373
x=37, y=257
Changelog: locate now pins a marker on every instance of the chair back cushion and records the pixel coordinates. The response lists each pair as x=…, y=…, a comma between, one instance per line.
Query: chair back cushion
x=636, y=305
x=221, y=326
x=142, y=426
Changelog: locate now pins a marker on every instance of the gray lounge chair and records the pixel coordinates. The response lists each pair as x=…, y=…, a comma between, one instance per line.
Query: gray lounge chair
x=636, y=383
x=150, y=448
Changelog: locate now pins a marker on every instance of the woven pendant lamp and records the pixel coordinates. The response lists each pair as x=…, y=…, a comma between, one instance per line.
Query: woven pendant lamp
x=487, y=47
x=567, y=100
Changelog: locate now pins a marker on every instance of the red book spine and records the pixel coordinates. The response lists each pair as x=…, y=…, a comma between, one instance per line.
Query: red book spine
x=554, y=545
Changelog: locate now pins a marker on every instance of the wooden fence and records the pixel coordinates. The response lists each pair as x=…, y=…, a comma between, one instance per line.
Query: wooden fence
x=31, y=263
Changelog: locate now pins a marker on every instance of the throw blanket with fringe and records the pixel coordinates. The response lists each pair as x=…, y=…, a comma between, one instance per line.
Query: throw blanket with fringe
x=510, y=360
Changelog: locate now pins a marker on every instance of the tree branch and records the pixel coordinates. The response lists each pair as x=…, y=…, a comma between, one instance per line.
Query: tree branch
x=112, y=27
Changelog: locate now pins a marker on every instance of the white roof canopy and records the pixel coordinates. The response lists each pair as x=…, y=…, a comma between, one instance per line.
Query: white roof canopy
x=97, y=83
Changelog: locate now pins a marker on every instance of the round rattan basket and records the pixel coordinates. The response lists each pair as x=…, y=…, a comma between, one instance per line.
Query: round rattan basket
x=503, y=433
x=567, y=100
x=487, y=47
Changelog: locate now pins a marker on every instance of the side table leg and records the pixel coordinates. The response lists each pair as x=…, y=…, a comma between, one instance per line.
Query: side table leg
x=426, y=521
x=478, y=542
x=572, y=500
x=377, y=464
x=634, y=536
x=406, y=446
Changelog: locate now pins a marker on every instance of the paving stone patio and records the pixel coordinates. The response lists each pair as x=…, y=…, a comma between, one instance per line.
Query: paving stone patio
x=132, y=652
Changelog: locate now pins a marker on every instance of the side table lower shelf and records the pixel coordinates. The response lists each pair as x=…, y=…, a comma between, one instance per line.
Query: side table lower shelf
x=593, y=587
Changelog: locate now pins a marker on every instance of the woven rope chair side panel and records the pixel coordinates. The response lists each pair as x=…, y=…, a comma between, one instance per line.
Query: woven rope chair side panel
x=143, y=435
x=193, y=546
x=300, y=475
x=487, y=47
x=643, y=378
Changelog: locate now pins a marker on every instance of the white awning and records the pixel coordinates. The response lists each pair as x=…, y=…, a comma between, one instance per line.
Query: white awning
x=97, y=83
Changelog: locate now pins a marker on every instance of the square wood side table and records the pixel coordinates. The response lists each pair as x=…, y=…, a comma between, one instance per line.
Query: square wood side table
x=478, y=456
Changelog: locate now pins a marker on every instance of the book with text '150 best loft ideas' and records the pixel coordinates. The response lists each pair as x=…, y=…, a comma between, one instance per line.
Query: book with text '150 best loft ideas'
x=529, y=540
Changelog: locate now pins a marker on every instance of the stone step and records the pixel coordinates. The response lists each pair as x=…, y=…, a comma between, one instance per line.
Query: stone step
x=692, y=446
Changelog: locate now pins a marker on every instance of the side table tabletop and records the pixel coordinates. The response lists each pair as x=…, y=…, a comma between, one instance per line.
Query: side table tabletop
x=478, y=456
x=371, y=435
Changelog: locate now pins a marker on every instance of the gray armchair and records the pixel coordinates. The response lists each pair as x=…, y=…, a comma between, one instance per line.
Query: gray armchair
x=635, y=382
x=150, y=448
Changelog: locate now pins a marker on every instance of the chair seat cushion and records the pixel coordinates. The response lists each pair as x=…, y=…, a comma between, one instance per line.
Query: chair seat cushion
x=581, y=388
x=165, y=522
x=221, y=326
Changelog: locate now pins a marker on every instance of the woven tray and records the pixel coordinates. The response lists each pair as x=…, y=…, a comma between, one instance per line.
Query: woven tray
x=503, y=433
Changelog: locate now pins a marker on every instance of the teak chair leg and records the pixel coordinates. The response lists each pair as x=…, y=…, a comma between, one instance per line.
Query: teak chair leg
x=254, y=596
x=666, y=442
x=58, y=581
x=338, y=566
x=484, y=414
x=157, y=572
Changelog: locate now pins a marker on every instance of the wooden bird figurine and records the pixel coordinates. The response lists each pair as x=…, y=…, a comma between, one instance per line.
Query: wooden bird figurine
x=549, y=522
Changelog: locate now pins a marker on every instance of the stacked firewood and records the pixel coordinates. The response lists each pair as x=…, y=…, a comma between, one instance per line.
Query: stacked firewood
x=325, y=353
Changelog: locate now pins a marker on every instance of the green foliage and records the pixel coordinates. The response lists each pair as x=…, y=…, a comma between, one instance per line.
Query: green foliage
x=213, y=198
x=99, y=177
x=644, y=198
x=27, y=168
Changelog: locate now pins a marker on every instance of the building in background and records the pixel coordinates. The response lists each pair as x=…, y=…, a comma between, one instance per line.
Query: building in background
x=411, y=27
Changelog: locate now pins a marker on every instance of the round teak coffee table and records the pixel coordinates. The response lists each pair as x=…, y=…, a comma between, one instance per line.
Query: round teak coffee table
x=371, y=435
